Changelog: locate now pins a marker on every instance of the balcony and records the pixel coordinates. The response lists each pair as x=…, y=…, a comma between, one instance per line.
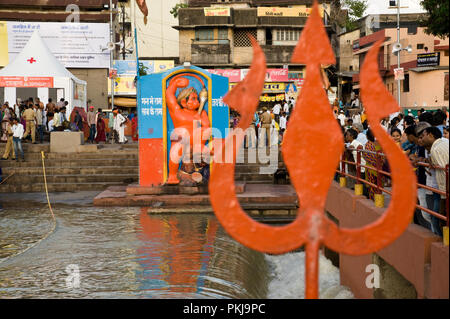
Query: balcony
x=278, y=53
x=210, y=53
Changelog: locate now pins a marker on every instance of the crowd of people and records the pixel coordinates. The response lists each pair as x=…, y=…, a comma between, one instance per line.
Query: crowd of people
x=424, y=138
x=30, y=121
x=268, y=125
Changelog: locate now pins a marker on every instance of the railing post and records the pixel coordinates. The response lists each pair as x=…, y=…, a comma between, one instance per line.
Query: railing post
x=342, y=179
x=378, y=196
x=359, y=187
x=445, y=228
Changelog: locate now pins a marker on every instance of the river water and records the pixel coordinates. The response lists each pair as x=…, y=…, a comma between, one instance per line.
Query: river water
x=126, y=253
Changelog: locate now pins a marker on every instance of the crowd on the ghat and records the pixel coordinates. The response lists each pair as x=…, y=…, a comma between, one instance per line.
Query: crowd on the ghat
x=29, y=121
x=423, y=137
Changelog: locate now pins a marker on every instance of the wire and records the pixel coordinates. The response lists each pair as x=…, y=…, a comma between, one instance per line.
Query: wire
x=53, y=219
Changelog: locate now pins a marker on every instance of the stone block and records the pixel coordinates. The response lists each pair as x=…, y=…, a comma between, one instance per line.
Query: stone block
x=66, y=142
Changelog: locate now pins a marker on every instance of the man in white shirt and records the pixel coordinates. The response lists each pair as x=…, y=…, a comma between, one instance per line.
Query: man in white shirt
x=350, y=137
x=18, y=131
x=362, y=138
x=341, y=117
x=431, y=139
x=276, y=111
x=51, y=127
x=286, y=108
x=119, y=126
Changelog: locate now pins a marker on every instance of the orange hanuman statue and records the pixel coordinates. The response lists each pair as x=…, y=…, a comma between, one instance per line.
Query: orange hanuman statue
x=188, y=117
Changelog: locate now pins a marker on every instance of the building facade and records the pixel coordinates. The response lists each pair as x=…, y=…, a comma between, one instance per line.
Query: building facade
x=425, y=67
x=35, y=12
x=213, y=35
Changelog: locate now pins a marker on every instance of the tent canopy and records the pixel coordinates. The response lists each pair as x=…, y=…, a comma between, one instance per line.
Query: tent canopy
x=36, y=60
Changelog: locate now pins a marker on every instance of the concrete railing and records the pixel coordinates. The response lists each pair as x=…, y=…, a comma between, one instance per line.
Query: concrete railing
x=413, y=266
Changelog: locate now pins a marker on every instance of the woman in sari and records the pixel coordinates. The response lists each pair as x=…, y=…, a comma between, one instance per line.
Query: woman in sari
x=134, y=128
x=101, y=135
x=371, y=161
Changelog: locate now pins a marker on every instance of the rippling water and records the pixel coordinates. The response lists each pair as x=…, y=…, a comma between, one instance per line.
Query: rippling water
x=126, y=253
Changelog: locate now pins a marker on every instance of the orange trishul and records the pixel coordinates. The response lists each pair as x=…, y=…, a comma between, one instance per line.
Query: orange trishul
x=312, y=146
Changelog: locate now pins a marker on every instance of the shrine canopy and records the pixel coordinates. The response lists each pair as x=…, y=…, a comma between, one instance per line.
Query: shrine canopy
x=36, y=67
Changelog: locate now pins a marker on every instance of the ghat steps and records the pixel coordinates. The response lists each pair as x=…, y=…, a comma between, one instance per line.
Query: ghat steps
x=111, y=165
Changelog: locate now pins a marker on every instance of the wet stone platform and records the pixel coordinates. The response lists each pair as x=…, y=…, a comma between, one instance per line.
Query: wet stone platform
x=255, y=199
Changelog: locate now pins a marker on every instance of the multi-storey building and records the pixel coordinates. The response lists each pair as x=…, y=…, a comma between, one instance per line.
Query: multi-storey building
x=425, y=66
x=35, y=13
x=213, y=34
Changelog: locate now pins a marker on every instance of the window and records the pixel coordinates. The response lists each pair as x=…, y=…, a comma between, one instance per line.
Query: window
x=241, y=39
x=204, y=35
x=287, y=35
x=420, y=46
x=406, y=83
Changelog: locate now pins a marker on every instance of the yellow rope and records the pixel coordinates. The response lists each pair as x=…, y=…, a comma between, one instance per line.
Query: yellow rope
x=53, y=218
x=45, y=184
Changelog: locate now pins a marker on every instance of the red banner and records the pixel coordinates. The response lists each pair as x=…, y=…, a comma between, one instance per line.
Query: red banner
x=277, y=75
x=26, y=81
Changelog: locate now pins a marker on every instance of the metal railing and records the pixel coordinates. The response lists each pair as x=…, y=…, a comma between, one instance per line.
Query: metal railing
x=381, y=174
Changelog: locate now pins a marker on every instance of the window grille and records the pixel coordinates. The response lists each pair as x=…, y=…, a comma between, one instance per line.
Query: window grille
x=241, y=39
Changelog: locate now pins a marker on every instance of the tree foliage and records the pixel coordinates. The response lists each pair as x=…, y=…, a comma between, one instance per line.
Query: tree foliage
x=438, y=17
x=355, y=9
x=174, y=10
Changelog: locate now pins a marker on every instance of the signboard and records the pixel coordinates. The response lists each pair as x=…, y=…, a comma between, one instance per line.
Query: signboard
x=75, y=45
x=399, y=74
x=123, y=85
x=128, y=67
x=269, y=87
x=272, y=75
x=299, y=11
x=216, y=12
x=126, y=72
x=233, y=75
x=26, y=81
x=428, y=59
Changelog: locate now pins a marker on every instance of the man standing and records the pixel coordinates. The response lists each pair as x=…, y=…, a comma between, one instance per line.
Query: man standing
x=40, y=122
x=351, y=137
x=9, y=149
x=119, y=126
x=431, y=139
x=30, y=117
x=17, y=130
x=60, y=104
x=286, y=108
x=283, y=122
x=266, y=121
x=276, y=111
x=64, y=123
x=50, y=107
x=91, y=119
x=111, y=120
x=56, y=122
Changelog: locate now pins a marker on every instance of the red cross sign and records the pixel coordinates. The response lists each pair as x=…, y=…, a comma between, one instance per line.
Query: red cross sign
x=31, y=60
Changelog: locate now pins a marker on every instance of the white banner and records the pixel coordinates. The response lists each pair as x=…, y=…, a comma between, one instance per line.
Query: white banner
x=75, y=45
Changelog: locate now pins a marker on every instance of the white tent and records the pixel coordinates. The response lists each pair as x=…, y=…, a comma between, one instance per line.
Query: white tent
x=37, y=67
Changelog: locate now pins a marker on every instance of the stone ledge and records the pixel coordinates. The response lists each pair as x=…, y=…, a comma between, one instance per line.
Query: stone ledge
x=66, y=142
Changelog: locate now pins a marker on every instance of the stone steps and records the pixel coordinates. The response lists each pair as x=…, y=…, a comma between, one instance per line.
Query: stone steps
x=110, y=165
x=37, y=170
x=79, y=162
x=57, y=187
x=74, y=179
x=55, y=156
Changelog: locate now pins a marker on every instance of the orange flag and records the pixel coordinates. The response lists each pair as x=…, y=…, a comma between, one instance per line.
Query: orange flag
x=143, y=6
